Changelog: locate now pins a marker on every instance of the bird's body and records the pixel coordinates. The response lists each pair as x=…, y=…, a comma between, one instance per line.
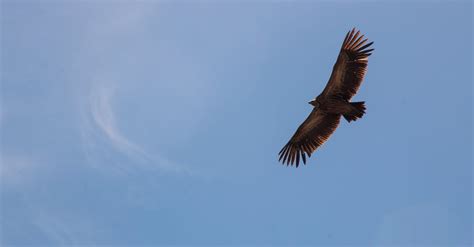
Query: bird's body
x=333, y=102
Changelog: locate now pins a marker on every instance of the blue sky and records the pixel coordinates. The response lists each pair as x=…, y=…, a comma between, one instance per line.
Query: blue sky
x=159, y=123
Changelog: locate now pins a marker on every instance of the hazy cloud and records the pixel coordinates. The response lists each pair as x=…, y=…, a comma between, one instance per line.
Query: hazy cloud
x=63, y=227
x=99, y=123
x=16, y=170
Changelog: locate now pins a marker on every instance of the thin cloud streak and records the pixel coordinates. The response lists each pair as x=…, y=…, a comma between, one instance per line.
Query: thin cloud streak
x=100, y=122
x=62, y=227
x=104, y=118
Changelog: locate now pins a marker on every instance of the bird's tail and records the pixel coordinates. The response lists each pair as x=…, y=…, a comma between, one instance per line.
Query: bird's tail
x=357, y=111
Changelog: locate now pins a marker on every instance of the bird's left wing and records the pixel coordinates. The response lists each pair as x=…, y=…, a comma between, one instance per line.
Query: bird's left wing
x=350, y=67
x=311, y=134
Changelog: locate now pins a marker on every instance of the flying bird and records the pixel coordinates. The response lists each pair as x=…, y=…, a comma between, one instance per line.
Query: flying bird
x=334, y=102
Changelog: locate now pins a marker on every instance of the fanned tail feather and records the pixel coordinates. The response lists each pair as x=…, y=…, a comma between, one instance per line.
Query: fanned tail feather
x=357, y=111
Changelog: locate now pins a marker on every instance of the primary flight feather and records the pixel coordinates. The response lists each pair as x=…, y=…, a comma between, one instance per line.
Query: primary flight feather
x=333, y=102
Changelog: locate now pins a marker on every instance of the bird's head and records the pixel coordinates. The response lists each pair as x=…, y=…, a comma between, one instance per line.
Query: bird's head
x=314, y=103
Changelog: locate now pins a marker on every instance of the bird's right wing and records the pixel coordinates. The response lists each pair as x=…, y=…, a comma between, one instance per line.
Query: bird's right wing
x=311, y=134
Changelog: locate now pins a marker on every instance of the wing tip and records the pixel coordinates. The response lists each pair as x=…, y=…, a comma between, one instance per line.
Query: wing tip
x=290, y=155
x=355, y=42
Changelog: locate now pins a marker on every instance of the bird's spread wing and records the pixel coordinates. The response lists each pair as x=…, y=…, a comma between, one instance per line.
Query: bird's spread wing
x=351, y=65
x=311, y=134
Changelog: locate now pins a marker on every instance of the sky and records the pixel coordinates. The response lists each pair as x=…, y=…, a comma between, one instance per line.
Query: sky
x=159, y=123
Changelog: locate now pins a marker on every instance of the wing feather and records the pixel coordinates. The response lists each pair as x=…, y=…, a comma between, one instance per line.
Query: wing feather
x=350, y=68
x=309, y=136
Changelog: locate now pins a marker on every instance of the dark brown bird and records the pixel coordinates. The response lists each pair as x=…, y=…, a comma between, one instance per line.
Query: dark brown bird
x=333, y=102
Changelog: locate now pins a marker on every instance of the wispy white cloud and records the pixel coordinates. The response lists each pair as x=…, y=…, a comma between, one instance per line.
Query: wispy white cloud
x=99, y=123
x=104, y=118
x=105, y=145
x=103, y=140
x=62, y=227
x=16, y=170
x=19, y=176
x=55, y=229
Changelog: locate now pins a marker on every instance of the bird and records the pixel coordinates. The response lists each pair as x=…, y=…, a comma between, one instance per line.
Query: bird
x=333, y=102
